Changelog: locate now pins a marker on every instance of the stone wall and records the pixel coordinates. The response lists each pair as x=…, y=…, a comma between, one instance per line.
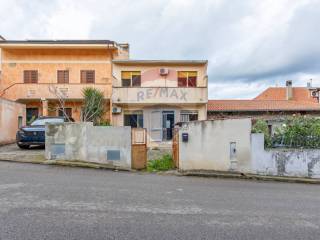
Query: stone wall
x=85, y=142
x=283, y=162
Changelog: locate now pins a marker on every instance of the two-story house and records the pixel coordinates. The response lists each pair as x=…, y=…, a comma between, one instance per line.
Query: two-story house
x=41, y=74
x=157, y=94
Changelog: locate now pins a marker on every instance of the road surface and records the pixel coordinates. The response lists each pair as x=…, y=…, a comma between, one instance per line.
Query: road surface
x=51, y=202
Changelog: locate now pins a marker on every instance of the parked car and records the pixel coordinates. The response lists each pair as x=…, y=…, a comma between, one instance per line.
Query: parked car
x=35, y=133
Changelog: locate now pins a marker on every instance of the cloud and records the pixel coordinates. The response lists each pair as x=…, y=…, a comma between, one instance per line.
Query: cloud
x=250, y=44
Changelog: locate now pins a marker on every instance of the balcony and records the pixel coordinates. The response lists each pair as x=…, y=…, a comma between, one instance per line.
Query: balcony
x=159, y=95
x=33, y=91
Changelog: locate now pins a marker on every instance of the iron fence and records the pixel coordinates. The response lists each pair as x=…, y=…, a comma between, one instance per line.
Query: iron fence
x=283, y=141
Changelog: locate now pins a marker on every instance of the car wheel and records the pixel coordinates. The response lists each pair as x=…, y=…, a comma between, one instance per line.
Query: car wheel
x=23, y=146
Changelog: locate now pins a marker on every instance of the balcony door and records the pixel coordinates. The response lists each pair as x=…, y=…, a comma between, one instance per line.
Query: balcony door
x=167, y=125
x=162, y=124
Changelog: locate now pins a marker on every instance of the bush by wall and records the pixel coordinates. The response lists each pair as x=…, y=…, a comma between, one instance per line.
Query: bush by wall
x=298, y=132
x=162, y=164
x=295, y=132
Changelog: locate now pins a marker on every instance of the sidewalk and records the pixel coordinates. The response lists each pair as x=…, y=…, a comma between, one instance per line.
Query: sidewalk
x=12, y=153
x=238, y=175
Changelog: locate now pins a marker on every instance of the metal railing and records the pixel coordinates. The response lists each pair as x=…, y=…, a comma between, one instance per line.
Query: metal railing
x=282, y=141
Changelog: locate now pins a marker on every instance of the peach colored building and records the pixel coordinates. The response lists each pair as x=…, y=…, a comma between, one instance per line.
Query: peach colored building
x=157, y=94
x=151, y=94
x=36, y=73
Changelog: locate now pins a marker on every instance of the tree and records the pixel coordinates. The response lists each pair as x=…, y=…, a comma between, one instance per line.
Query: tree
x=61, y=96
x=93, y=107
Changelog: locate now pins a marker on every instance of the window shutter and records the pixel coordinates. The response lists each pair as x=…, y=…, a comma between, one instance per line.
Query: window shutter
x=30, y=76
x=63, y=76
x=90, y=76
x=87, y=76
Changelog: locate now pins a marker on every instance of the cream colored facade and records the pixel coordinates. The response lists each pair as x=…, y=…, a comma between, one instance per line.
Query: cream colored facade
x=159, y=103
x=49, y=57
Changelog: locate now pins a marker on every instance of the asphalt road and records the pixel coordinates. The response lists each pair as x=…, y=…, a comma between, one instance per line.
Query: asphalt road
x=50, y=202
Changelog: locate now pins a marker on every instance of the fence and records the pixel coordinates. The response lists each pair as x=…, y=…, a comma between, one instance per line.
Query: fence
x=296, y=141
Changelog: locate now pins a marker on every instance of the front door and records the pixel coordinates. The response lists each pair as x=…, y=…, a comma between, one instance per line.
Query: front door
x=167, y=125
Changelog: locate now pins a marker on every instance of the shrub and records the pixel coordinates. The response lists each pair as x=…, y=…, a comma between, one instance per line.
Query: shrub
x=162, y=164
x=299, y=132
x=93, y=108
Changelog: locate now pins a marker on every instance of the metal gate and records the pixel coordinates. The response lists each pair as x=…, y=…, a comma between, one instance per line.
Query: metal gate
x=175, y=147
x=138, y=148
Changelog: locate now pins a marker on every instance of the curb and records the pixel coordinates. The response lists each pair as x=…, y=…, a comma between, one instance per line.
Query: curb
x=43, y=161
x=209, y=174
x=84, y=165
x=249, y=177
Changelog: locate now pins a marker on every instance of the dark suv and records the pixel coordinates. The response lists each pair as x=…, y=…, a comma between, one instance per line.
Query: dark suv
x=35, y=133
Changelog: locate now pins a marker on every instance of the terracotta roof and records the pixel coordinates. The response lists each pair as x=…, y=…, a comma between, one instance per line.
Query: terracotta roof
x=261, y=105
x=57, y=42
x=280, y=93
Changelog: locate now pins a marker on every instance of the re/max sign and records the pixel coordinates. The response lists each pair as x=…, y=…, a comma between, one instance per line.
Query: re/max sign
x=174, y=93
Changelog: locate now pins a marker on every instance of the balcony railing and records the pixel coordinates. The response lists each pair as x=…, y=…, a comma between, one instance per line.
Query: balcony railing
x=159, y=95
x=72, y=91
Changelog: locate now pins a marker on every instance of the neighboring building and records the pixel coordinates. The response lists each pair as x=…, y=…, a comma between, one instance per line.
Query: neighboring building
x=12, y=116
x=271, y=104
x=39, y=73
x=157, y=94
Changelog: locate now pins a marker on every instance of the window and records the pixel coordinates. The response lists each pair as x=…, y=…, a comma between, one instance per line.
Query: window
x=187, y=79
x=87, y=76
x=30, y=76
x=63, y=76
x=131, y=79
x=32, y=114
x=68, y=112
x=187, y=116
x=133, y=119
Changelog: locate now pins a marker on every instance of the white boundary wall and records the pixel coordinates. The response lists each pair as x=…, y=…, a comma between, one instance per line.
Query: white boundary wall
x=210, y=142
x=85, y=142
x=283, y=162
x=228, y=145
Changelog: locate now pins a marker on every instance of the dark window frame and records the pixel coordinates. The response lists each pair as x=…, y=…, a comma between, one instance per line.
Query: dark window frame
x=68, y=111
x=133, y=119
x=30, y=76
x=85, y=76
x=188, y=81
x=63, y=76
x=133, y=81
x=192, y=115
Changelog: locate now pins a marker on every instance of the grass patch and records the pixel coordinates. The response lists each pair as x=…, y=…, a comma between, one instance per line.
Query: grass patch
x=162, y=164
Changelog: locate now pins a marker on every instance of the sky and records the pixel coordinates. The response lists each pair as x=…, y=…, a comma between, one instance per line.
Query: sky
x=250, y=44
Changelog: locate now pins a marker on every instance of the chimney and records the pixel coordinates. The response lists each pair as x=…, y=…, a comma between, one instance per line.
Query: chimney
x=289, y=89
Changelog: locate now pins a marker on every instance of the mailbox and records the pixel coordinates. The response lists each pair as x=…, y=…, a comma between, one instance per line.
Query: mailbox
x=185, y=137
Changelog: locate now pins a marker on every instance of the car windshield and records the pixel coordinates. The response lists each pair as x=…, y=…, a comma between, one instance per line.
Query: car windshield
x=42, y=122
